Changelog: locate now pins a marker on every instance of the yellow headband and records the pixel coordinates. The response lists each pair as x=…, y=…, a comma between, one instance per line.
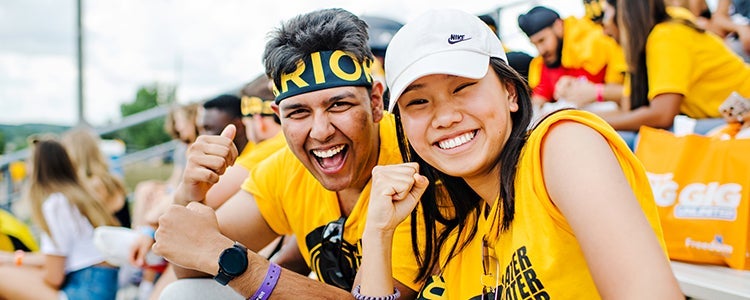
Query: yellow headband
x=323, y=70
x=256, y=106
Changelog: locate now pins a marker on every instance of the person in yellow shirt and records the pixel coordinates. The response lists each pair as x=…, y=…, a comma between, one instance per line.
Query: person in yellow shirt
x=318, y=187
x=576, y=60
x=562, y=212
x=677, y=68
x=688, y=72
x=261, y=129
x=218, y=113
x=263, y=136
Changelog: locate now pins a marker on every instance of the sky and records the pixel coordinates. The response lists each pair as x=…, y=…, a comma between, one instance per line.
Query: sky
x=204, y=48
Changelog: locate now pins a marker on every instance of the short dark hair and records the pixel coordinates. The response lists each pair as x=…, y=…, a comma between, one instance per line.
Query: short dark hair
x=489, y=20
x=230, y=104
x=321, y=30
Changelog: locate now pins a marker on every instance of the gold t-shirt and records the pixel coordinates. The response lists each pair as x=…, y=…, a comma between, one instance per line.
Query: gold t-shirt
x=539, y=256
x=696, y=65
x=292, y=201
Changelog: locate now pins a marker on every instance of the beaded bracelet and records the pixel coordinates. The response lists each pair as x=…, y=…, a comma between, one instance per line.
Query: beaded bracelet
x=266, y=288
x=359, y=296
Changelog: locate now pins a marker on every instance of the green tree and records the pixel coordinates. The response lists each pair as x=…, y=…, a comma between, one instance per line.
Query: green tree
x=2, y=142
x=149, y=133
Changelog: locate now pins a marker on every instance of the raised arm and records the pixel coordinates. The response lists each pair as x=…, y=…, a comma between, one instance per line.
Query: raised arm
x=396, y=189
x=585, y=181
x=207, y=159
x=228, y=185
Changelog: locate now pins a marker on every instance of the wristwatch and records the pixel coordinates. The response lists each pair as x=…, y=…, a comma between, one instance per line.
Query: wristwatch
x=232, y=263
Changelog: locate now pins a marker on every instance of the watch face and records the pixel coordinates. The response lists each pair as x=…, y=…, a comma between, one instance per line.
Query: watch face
x=234, y=261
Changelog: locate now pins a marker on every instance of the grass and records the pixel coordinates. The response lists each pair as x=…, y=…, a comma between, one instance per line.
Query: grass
x=147, y=170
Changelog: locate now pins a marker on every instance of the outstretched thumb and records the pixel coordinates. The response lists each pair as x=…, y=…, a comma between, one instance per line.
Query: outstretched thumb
x=229, y=132
x=420, y=185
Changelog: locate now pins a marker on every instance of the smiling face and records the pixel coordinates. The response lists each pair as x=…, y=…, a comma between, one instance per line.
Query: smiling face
x=334, y=133
x=458, y=125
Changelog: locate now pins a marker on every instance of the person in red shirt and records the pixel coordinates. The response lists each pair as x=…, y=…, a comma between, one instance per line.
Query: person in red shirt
x=576, y=62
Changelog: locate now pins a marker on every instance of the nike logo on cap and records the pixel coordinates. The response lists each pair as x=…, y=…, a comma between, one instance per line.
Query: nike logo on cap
x=457, y=38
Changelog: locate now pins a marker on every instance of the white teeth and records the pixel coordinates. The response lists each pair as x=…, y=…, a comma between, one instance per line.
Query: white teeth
x=328, y=153
x=456, y=141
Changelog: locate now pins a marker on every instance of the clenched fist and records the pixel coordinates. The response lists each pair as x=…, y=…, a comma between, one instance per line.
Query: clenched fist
x=396, y=189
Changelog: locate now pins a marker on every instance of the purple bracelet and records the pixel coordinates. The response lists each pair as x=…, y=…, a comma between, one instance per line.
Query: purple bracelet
x=266, y=288
x=359, y=296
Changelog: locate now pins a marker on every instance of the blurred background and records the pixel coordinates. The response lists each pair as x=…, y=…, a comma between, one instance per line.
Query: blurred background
x=182, y=50
x=137, y=58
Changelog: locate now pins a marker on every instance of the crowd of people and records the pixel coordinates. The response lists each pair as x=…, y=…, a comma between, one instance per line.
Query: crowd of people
x=436, y=164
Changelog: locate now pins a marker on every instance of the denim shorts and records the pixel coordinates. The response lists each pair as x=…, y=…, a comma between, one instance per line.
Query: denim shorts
x=93, y=282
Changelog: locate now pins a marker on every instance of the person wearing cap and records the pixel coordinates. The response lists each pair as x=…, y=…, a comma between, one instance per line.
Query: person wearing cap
x=576, y=61
x=561, y=212
x=317, y=188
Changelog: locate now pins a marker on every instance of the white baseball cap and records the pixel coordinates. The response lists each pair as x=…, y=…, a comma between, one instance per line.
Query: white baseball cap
x=444, y=41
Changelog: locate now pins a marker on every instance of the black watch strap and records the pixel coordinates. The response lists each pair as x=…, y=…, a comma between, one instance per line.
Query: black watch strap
x=232, y=263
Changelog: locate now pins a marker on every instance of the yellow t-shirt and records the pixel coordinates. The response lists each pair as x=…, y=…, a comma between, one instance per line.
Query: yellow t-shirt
x=585, y=48
x=539, y=256
x=249, y=147
x=261, y=151
x=697, y=65
x=292, y=201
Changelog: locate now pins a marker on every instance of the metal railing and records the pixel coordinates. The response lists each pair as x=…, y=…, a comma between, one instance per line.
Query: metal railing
x=147, y=115
x=10, y=195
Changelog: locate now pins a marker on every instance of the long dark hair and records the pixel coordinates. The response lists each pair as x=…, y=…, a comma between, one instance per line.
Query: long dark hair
x=637, y=19
x=54, y=172
x=449, y=200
